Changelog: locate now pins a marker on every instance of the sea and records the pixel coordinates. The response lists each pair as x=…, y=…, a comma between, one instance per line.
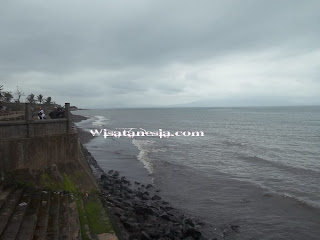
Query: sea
x=256, y=167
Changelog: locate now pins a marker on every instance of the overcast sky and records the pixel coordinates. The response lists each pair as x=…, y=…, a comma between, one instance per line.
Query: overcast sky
x=137, y=53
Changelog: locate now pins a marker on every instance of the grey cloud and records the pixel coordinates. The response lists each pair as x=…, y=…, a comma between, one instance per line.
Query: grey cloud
x=111, y=48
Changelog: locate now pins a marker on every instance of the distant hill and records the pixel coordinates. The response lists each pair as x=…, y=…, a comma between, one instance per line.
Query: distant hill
x=73, y=108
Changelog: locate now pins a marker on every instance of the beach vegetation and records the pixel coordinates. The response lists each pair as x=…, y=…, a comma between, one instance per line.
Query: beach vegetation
x=92, y=216
x=84, y=223
x=40, y=98
x=1, y=95
x=48, y=100
x=47, y=182
x=7, y=96
x=31, y=99
x=68, y=184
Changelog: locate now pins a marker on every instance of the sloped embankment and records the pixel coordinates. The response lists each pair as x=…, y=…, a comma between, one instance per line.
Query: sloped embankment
x=47, y=191
x=31, y=213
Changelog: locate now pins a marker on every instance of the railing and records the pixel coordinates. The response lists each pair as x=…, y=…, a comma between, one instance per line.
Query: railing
x=11, y=115
x=31, y=127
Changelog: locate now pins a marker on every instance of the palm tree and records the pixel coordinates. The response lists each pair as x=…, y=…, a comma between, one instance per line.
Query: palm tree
x=48, y=100
x=7, y=96
x=1, y=96
x=40, y=98
x=30, y=98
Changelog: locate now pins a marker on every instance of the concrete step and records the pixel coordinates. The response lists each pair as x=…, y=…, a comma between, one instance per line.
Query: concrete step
x=75, y=231
x=36, y=215
x=5, y=192
x=84, y=221
x=43, y=215
x=16, y=219
x=28, y=225
x=8, y=209
x=53, y=221
x=64, y=226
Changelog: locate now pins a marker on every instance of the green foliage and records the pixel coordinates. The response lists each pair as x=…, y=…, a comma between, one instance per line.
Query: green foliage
x=98, y=219
x=92, y=216
x=48, y=100
x=68, y=184
x=47, y=182
x=40, y=98
x=1, y=95
x=84, y=222
x=30, y=98
x=7, y=96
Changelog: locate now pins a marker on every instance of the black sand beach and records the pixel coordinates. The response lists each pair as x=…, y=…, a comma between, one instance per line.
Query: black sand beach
x=138, y=211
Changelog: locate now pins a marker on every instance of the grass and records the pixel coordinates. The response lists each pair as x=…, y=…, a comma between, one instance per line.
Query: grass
x=99, y=222
x=92, y=215
x=68, y=184
x=84, y=223
x=47, y=182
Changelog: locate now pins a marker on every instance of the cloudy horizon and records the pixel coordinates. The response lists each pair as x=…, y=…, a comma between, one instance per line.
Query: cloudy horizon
x=143, y=53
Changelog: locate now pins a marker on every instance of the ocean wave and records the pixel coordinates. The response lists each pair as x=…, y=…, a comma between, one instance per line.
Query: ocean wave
x=145, y=148
x=279, y=165
x=299, y=201
x=99, y=121
x=233, y=143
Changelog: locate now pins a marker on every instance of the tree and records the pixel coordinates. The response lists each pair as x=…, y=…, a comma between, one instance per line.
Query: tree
x=19, y=93
x=30, y=98
x=1, y=95
x=40, y=98
x=48, y=100
x=7, y=96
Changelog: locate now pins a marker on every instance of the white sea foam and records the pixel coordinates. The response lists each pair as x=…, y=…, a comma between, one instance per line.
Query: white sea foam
x=145, y=147
x=99, y=121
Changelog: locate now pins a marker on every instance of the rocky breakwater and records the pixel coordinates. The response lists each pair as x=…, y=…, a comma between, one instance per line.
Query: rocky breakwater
x=138, y=212
x=142, y=213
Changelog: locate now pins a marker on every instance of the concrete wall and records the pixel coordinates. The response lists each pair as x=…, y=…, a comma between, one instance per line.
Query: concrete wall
x=38, y=152
x=33, y=128
x=56, y=156
x=13, y=106
x=32, y=149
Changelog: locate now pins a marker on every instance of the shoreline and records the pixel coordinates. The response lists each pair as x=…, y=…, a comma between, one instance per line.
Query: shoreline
x=137, y=210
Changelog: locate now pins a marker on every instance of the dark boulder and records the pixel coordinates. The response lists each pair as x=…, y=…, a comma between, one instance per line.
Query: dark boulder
x=149, y=186
x=145, y=236
x=156, y=197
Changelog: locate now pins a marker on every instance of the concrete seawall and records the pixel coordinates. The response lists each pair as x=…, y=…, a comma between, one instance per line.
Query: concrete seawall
x=34, y=151
x=35, y=128
x=47, y=187
x=38, y=152
x=56, y=156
